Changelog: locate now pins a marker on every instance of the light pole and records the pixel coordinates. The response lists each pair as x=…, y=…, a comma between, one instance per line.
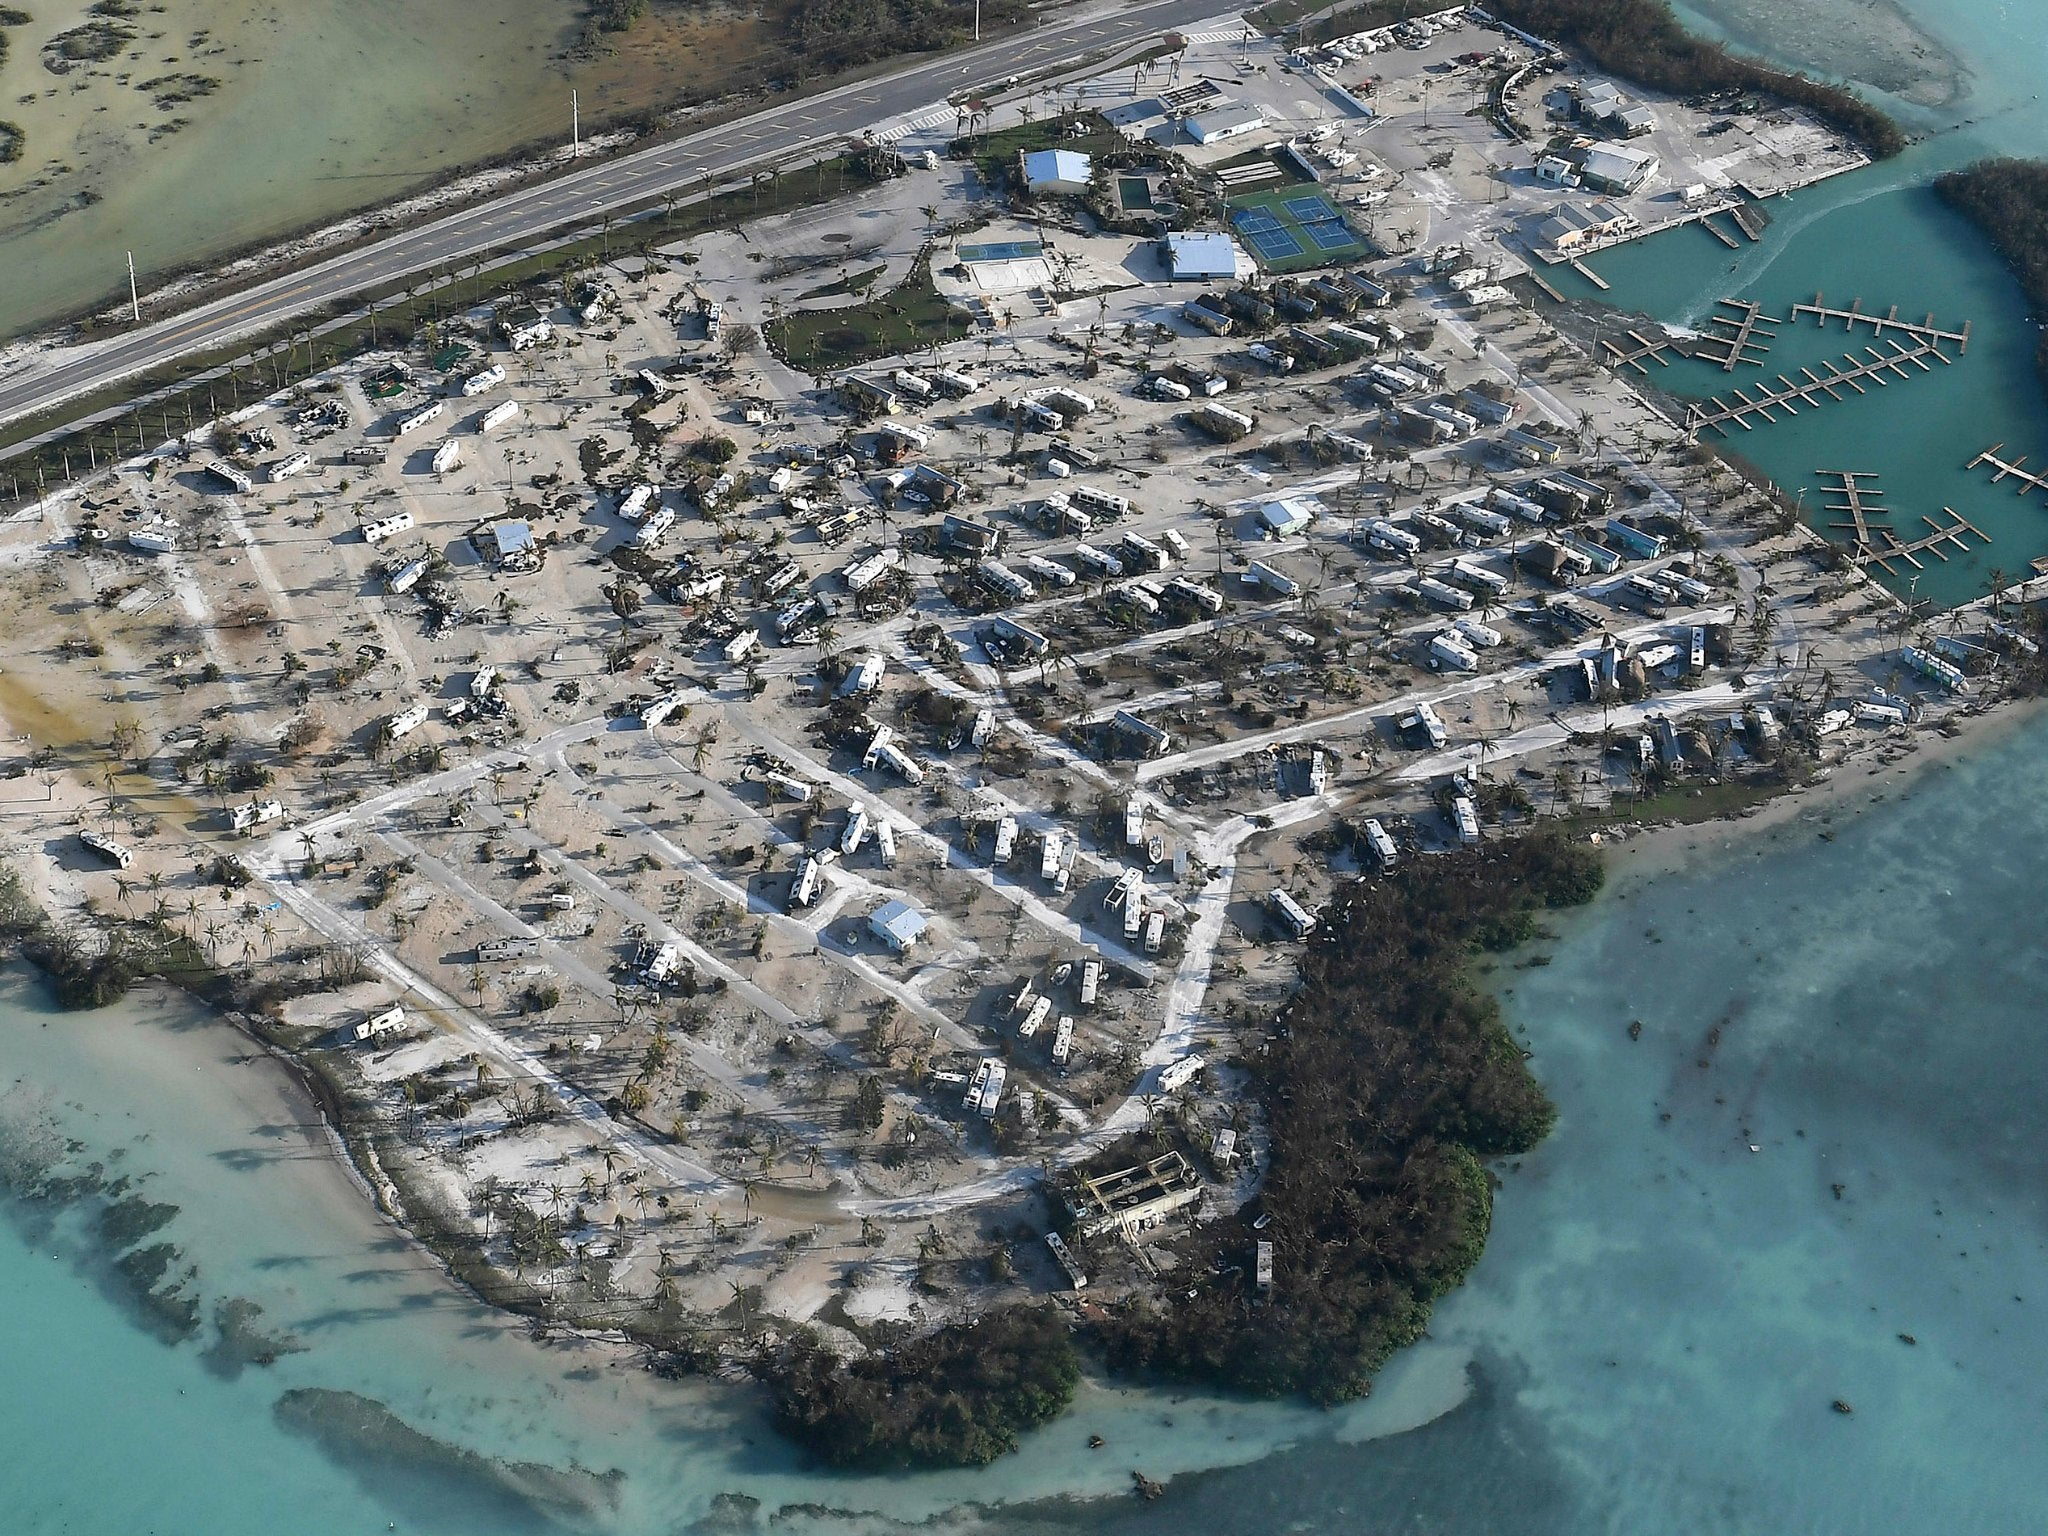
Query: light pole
x=977, y=20
x=575, y=124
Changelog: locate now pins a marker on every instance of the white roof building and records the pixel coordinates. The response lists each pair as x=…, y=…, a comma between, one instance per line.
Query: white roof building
x=1619, y=168
x=1225, y=120
x=1057, y=171
x=1201, y=257
x=897, y=924
x=1289, y=515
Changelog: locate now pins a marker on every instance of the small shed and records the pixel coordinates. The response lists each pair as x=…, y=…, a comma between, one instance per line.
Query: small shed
x=897, y=924
x=1286, y=517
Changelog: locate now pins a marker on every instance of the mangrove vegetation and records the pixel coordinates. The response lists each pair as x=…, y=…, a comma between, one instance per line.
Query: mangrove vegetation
x=1385, y=1081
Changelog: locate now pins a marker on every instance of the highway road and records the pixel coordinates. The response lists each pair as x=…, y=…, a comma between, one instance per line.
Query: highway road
x=533, y=211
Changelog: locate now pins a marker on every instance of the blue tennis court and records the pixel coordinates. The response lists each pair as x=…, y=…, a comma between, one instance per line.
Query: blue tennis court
x=1274, y=244
x=1007, y=250
x=1330, y=235
x=1254, y=221
x=1309, y=210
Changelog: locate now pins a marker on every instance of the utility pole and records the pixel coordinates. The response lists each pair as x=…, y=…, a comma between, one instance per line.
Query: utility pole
x=575, y=124
x=977, y=20
x=134, y=300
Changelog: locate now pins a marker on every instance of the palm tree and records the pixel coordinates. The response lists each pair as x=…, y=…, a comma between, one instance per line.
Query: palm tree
x=739, y=1296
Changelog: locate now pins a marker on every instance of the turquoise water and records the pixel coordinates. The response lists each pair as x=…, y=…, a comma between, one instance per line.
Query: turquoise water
x=1879, y=234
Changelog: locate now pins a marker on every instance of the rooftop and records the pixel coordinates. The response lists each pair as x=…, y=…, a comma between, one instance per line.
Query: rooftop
x=1056, y=167
x=1201, y=255
x=899, y=923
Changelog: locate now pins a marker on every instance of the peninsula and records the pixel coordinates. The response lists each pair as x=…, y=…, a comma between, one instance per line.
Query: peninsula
x=876, y=776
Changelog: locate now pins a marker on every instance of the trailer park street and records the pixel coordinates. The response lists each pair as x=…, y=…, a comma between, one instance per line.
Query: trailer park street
x=777, y=815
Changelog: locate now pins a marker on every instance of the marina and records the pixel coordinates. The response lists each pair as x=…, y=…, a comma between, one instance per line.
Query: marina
x=1745, y=331
x=1855, y=315
x=1954, y=535
x=2010, y=470
x=1851, y=373
x=1856, y=500
x=1632, y=357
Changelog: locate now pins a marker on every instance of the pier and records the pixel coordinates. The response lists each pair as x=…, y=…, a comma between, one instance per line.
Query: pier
x=1859, y=501
x=1707, y=223
x=1750, y=219
x=1957, y=532
x=1589, y=275
x=1619, y=356
x=1747, y=330
x=1855, y=315
x=2028, y=481
x=1851, y=373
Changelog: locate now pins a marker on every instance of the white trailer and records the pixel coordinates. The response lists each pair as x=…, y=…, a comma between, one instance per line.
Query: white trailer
x=447, y=457
x=418, y=419
x=1006, y=840
x=1465, y=817
x=1382, y=845
x=862, y=574
x=1178, y=1074
x=498, y=415
x=377, y=530
x=1291, y=912
x=1034, y=1020
x=484, y=381
x=856, y=831
x=1063, y=1041
x=1443, y=594
x=295, y=464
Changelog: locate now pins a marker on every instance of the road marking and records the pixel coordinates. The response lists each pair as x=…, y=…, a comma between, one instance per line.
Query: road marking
x=214, y=320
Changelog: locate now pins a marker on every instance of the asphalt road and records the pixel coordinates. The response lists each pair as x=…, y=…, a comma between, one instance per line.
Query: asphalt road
x=531, y=212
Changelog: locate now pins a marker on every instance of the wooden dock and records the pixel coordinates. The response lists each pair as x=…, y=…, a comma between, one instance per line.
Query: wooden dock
x=1707, y=223
x=2028, y=481
x=1746, y=330
x=1813, y=388
x=1858, y=500
x=1539, y=280
x=1929, y=544
x=1750, y=219
x=1619, y=356
x=1856, y=315
x=1589, y=274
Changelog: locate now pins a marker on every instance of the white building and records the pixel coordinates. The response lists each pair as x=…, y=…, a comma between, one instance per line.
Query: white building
x=1056, y=172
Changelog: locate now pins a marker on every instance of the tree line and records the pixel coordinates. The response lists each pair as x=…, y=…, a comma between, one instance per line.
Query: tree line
x=1385, y=1080
x=2007, y=200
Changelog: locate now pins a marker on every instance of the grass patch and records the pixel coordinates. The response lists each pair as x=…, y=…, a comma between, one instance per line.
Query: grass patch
x=908, y=316
x=995, y=154
x=854, y=283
